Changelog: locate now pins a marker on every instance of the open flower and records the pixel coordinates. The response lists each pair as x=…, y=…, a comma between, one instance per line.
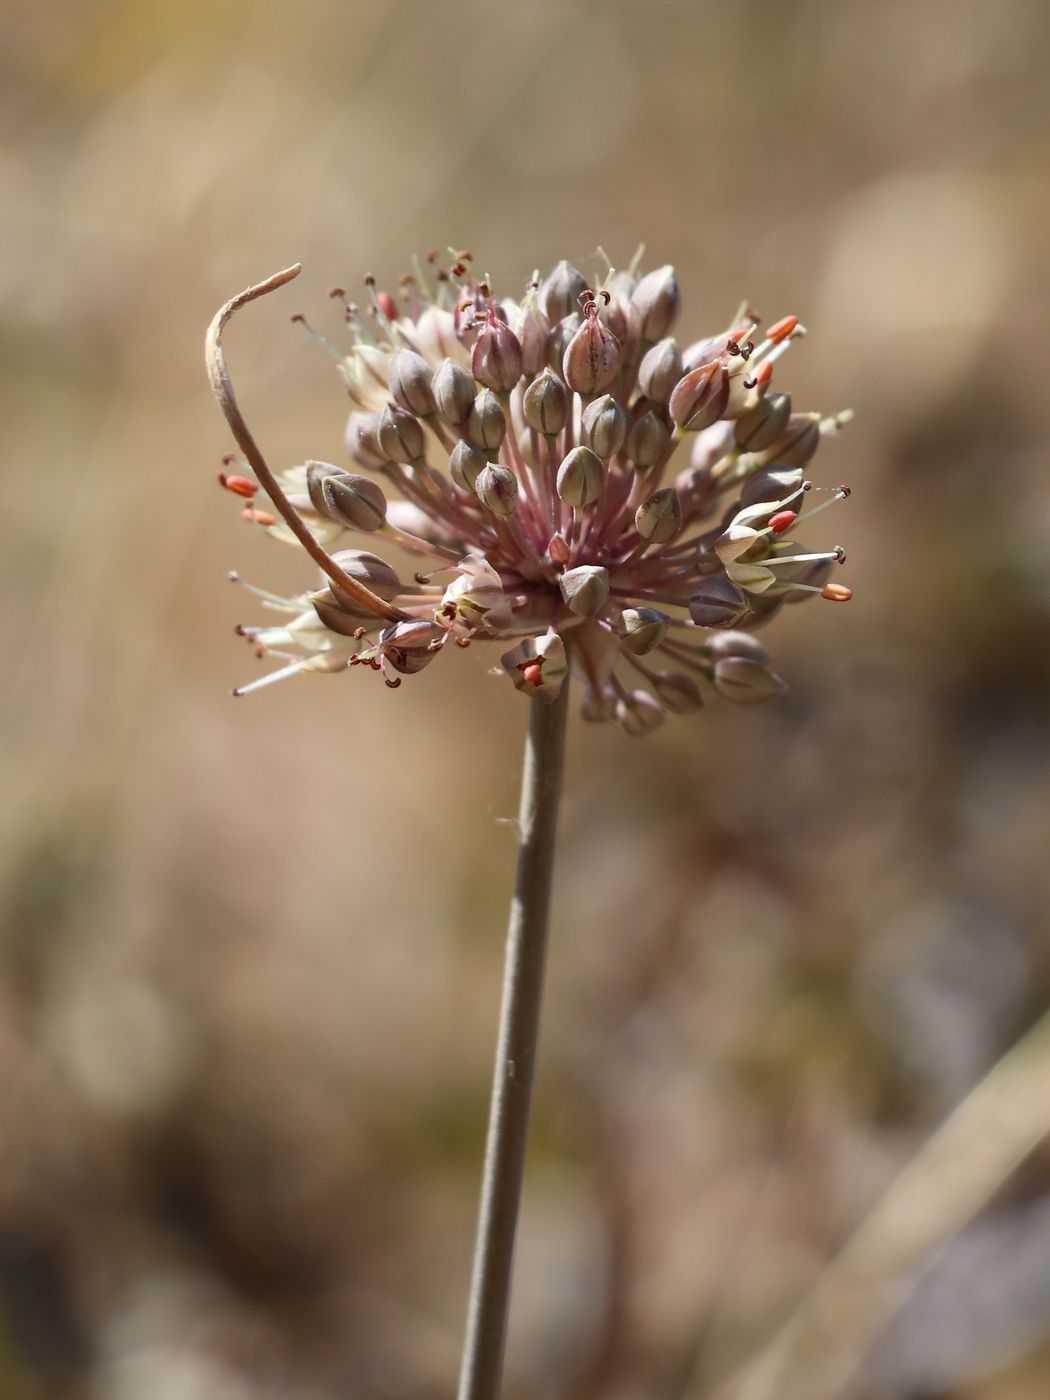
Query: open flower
x=521, y=452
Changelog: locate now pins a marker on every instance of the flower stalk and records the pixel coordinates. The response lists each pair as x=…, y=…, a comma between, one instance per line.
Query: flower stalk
x=482, y=1363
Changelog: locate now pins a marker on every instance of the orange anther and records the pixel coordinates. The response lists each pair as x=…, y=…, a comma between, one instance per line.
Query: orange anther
x=239, y=485
x=783, y=520
x=782, y=329
x=837, y=592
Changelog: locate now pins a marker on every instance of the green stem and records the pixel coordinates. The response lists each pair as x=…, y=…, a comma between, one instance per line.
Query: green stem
x=482, y=1364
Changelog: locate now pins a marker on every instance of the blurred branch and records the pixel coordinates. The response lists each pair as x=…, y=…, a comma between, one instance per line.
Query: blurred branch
x=984, y=1140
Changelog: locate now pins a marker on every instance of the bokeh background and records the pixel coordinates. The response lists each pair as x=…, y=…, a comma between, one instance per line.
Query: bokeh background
x=250, y=953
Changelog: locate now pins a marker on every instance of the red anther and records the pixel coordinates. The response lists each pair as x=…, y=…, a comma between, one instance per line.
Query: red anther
x=370, y=280
x=238, y=629
x=780, y=330
x=239, y=485
x=783, y=520
x=836, y=592
x=260, y=652
x=463, y=642
x=406, y=280
x=359, y=632
x=844, y=491
x=297, y=318
x=229, y=460
x=764, y=375
x=840, y=554
x=386, y=301
x=258, y=517
x=533, y=673
x=458, y=269
x=433, y=256
x=392, y=684
x=337, y=292
x=464, y=256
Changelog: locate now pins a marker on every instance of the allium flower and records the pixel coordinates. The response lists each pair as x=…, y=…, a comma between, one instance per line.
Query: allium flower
x=523, y=454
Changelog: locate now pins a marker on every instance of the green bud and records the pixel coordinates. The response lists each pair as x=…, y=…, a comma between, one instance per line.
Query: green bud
x=581, y=477
x=659, y=517
x=585, y=589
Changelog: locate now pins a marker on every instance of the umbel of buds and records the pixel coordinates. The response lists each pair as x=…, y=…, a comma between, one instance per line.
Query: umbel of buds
x=526, y=449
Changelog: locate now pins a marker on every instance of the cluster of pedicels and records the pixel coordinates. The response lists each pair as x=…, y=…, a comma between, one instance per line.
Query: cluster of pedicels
x=530, y=446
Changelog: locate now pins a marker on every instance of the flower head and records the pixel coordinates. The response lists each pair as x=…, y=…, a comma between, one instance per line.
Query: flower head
x=522, y=452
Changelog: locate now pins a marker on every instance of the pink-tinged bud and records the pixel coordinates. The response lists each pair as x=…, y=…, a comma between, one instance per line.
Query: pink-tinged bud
x=400, y=435
x=465, y=465
x=605, y=426
x=560, y=292
x=746, y=682
x=638, y=713
x=558, y=340
x=592, y=358
x=410, y=383
x=496, y=358
x=643, y=629
x=657, y=301
x=737, y=644
x=581, y=478
x=497, y=489
x=354, y=501
x=585, y=589
x=678, y=693
x=453, y=392
x=659, y=517
x=799, y=443
x=717, y=603
x=435, y=334
x=660, y=371
x=538, y=666
x=373, y=572
x=532, y=329
x=764, y=423
x=545, y=403
x=411, y=644
x=362, y=441
x=486, y=423
x=647, y=441
x=700, y=397
x=771, y=484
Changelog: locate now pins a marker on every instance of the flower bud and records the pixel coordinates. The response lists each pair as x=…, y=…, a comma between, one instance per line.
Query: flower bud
x=799, y=442
x=545, y=403
x=559, y=293
x=400, y=435
x=486, y=423
x=657, y=301
x=581, y=477
x=764, y=423
x=639, y=713
x=465, y=464
x=362, y=441
x=643, y=629
x=453, y=392
x=746, y=682
x=354, y=501
x=660, y=371
x=771, y=484
x=410, y=378
x=647, y=441
x=538, y=666
x=659, y=517
x=409, y=645
x=585, y=589
x=369, y=569
x=592, y=358
x=605, y=426
x=497, y=488
x=699, y=398
x=717, y=603
x=558, y=340
x=496, y=358
x=679, y=693
x=737, y=644
x=532, y=329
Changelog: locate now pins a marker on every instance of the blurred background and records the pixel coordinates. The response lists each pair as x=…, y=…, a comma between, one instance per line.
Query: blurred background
x=250, y=953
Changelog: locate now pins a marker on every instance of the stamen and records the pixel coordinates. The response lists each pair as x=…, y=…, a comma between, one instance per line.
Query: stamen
x=300, y=320
x=239, y=485
x=271, y=679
